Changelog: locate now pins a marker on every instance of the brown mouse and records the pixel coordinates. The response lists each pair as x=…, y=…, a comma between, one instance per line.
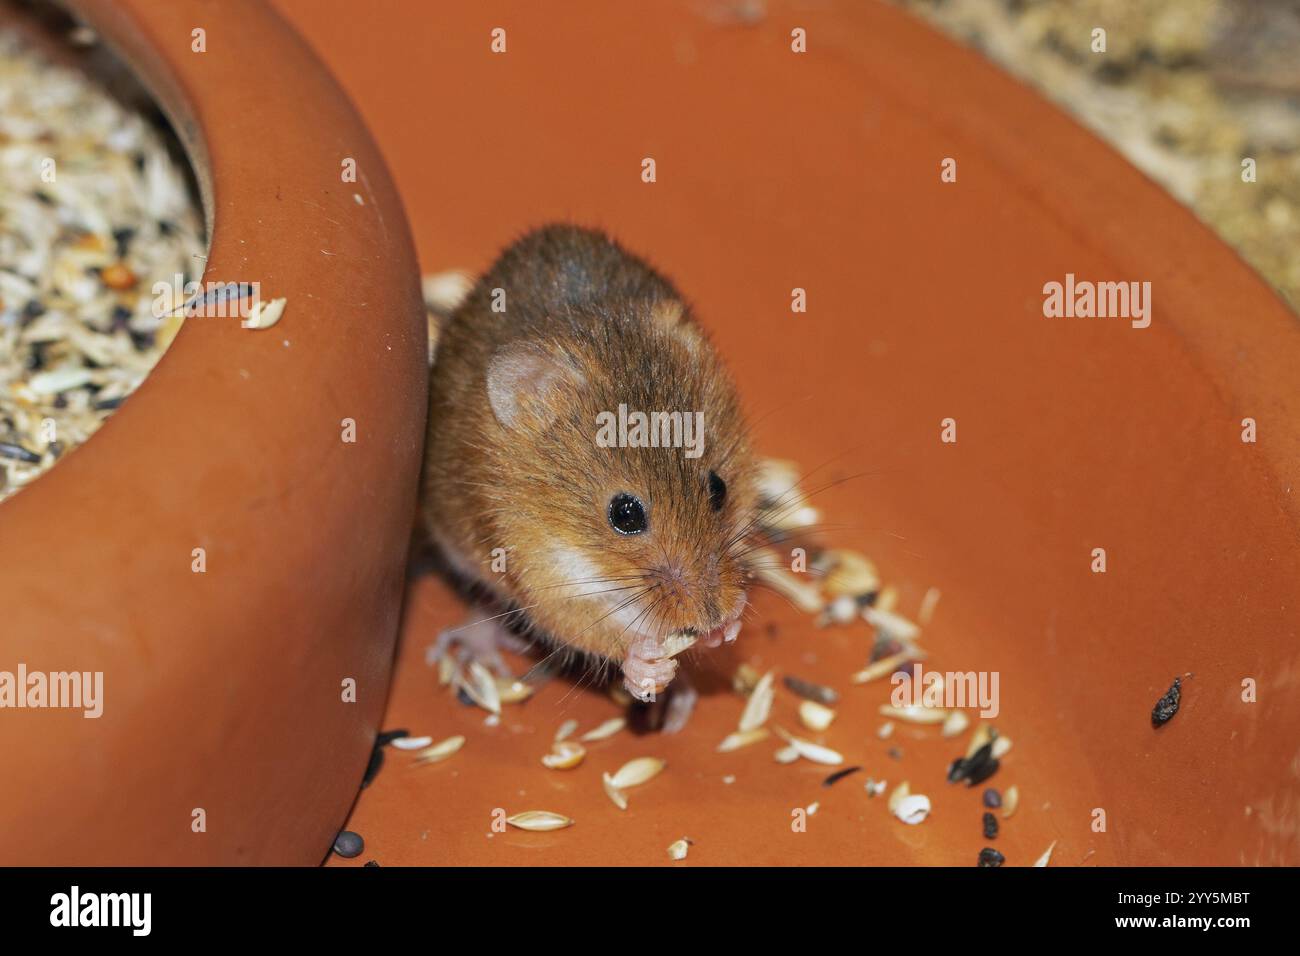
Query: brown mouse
x=544, y=488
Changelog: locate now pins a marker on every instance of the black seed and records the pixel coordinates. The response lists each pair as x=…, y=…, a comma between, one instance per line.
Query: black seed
x=372, y=768
x=121, y=316
x=464, y=698
x=32, y=310
x=388, y=736
x=992, y=798
x=895, y=752
x=143, y=341
x=123, y=239
x=108, y=404
x=868, y=599
x=372, y=862
x=990, y=826
x=990, y=857
x=974, y=769
x=43, y=198
x=810, y=691
x=1167, y=705
x=839, y=775
x=18, y=453
x=60, y=401
x=348, y=844
x=165, y=228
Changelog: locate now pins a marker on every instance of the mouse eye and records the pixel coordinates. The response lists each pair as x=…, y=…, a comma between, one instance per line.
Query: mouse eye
x=717, y=491
x=627, y=514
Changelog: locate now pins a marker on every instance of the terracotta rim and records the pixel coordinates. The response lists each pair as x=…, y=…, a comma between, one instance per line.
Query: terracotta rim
x=222, y=690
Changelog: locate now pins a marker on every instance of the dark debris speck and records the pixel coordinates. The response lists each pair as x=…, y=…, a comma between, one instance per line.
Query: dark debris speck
x=990, y=857
x=1167, y=705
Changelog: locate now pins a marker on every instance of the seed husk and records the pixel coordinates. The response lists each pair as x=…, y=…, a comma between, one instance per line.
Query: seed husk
x=511, y=691
x=914, y=714
x=678, y=849
x=263, y=315
x=614, y=793
x=886, y=666
x=1047, y=855
x=411, y=743
x=738, y=739
x=811, y=751
x=895, y=625
x=745, y=680
x=1000, y=746
x=1167, y=705
x=478, y=684
x=913, y=808
x=676, y=643
x=564, y=755
x=638, y=771
x=848, y=573
x=1010, y=800
x=898, y=794
x=566, y=730
x=814, y=716
x=439, y=751
x=539, y=820
x=885, y=730
x=928, y=603
x=957, y=722
x=759, y=706
x=787, y=754
x=606, y=730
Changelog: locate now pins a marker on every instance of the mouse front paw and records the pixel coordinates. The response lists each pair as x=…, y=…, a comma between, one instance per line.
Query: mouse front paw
x=645, y=671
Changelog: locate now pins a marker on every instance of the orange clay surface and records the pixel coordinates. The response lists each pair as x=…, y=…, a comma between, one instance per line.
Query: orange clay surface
x=821, y=171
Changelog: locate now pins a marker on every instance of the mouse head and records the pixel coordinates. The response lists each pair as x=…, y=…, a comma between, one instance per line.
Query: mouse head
x=629, y=487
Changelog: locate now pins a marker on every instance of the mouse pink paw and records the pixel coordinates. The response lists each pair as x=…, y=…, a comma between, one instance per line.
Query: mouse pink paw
x=645, y=672
x=481, y=639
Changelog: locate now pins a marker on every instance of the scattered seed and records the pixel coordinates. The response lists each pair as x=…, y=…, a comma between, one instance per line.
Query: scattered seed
x=480, y=687
x=606, y=730
x=263, y=315
x=678, y=849
x=814, y=716
x=745, y=680
x=439, y=751
x=740, y=739
x=566, y=730
x=513, y=691
x=18, y=453
x=1010, y=800
x=811, y=751
x=805, y=595
x=638, y=771
x=540, y=820
x=810, y=691
x=928, y=604
x=759, y=706
x=990, y=826
x=874, y=788
x=812, y=808
x=1167, y=705
x=1047, y=855
x=411, y=743
x=885, y=666
x=848, y=573
x=990, y=857
x=1000, y=747
x=974, y=769
x=676, y=643
x=956, y=723
x=895, y=625
x=614, y=793
x=839, y=775
x=885, y=730
x=914, y=714
x=913, y=808
x=898, y=795
x=118, y=277
x=564, y=755
x=348, y=844
x=992, y=798
x=787, y=754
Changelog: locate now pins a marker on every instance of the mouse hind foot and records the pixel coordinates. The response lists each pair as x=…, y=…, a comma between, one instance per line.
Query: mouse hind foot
x=481, y=639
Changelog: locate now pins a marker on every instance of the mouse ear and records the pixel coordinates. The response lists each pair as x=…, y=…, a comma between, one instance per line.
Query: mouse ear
x=671, y=314
x=521, y=378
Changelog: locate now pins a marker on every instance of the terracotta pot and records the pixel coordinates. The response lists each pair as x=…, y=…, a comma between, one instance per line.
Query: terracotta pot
x=223, y=690
x=821, y=171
